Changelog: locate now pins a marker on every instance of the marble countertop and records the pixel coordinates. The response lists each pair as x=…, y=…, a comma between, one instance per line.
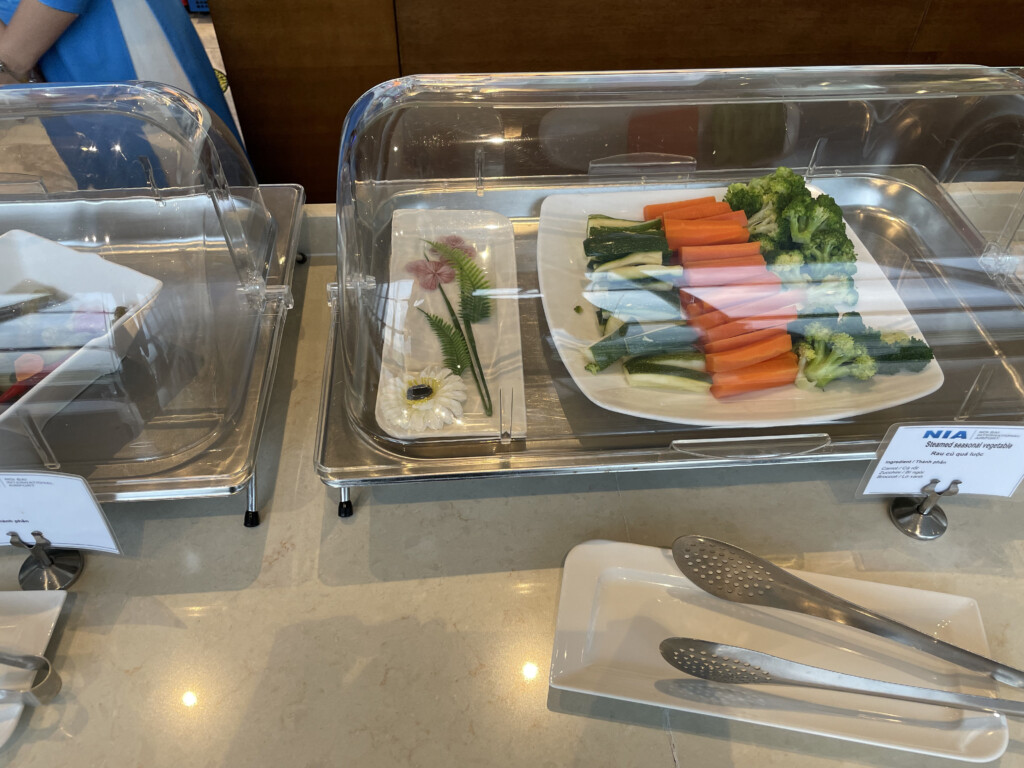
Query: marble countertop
x=419, y=631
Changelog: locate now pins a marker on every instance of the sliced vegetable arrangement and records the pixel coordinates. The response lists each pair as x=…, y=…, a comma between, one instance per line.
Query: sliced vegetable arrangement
x=748, y=293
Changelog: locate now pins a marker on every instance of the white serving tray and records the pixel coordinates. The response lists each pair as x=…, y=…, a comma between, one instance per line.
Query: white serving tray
x=561, y=267
x=27, y=620
x=410, y=345
x=619, y=601
x=25, y=256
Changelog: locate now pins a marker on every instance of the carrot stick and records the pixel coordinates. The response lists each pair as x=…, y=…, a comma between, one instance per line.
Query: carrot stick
x=774, y=319
x=724, y=345
x=759, y=306
x=655, y=210
x=724, y=271
x=764, y=304
x=702, y=211
x=680, y=232
x=724, y=296
x=738, y=217
x=693, y=253
x=777, y=372
x=749, y=354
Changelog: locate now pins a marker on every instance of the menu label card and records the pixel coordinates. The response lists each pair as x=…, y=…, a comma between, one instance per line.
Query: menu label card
x=61, y=507
x=987, y=459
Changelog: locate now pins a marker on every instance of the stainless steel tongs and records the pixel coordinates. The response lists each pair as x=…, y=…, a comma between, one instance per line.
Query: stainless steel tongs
x=41, y=692
x=731, y=573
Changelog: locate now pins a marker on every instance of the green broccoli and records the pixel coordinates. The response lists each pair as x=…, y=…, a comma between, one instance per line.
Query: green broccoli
x=826, y=355
x=808, y=216
x=763, y=200
x=741, y=197
x=896, y=351
x=788, y=266
x=828, y=253
x=825, y=295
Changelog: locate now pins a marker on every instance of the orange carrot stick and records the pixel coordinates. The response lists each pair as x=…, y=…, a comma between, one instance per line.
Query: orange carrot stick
x=748, y=354
x=724, y=345
x=777, y=372
x=655, y=210
x=680, y=232
x=777, y=318
x=702, y=211
x=738, y=217
x=693, y=253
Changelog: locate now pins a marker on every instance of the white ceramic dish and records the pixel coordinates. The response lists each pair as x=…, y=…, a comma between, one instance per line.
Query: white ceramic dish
x=27, y=620
x=91, y=279
x=409, y=343
x=561, y=266
x=619, y=601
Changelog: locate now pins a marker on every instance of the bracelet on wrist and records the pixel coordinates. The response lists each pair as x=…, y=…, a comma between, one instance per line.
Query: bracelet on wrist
x=21, y=77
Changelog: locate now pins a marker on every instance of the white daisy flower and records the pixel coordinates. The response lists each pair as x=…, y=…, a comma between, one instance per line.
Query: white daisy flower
x=426, y=400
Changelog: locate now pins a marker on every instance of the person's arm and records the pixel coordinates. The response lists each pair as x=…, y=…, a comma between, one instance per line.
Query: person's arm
x=33, y=29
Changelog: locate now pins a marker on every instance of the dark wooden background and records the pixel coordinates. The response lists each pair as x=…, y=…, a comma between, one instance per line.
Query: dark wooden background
x=297, y=67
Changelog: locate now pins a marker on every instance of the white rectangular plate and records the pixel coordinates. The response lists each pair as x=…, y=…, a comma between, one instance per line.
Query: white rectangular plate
x=409, y=343
x=619, y=601
x=85, y=276
x=27, y=620
x=561, y=267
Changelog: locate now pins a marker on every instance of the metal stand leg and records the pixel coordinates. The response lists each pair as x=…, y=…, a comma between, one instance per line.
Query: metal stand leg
x=345, y=505
x=47, y=568
x=252, y=512
x=919, y=519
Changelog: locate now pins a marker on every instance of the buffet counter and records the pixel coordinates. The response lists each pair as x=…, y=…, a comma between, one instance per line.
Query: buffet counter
x=419, y=631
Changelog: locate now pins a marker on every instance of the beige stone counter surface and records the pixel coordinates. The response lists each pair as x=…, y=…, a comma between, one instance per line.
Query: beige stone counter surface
x=419, y=631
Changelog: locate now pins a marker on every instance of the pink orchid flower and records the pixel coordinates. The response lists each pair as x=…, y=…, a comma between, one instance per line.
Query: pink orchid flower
x=456, y=242
x=430, y=274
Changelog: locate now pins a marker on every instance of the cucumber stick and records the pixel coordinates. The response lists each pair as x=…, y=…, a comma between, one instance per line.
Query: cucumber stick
x=639, y=258
x=633, y=340
x=641, y=372
x=598, y=224
x=615, y=245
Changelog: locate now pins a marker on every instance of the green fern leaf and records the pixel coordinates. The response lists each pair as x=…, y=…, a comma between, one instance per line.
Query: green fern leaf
x=474, y=304
x=454, y=349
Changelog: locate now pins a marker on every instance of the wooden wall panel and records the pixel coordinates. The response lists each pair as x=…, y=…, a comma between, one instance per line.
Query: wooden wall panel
x=295, y=69
x=529, y=35
x=971, y=32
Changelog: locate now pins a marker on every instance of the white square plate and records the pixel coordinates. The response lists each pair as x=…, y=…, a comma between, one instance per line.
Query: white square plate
x=619, y=601
x=561, y=268
x=27, y=620
x=25, y=256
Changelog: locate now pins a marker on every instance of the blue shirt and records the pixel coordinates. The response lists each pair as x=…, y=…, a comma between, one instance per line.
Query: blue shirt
x=93, y=49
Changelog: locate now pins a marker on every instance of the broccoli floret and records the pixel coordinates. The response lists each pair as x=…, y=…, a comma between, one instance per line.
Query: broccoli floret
x=808, y=216
x=741, y=197
x=763, y=200
x=787, y=265
x=826, y=355
x=897, y=352
x=829, y=293
x=830, y=252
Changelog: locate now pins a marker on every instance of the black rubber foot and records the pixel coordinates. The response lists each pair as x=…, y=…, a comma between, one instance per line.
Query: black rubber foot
x=345, y=509
x=252, y=518
x=301, y=258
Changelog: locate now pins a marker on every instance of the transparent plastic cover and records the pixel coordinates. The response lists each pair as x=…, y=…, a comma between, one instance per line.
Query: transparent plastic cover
x=135, y=250
x=576, y=242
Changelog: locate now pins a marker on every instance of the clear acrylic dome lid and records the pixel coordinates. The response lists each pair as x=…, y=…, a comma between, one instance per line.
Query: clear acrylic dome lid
x=925, y=163
x=138, y=265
